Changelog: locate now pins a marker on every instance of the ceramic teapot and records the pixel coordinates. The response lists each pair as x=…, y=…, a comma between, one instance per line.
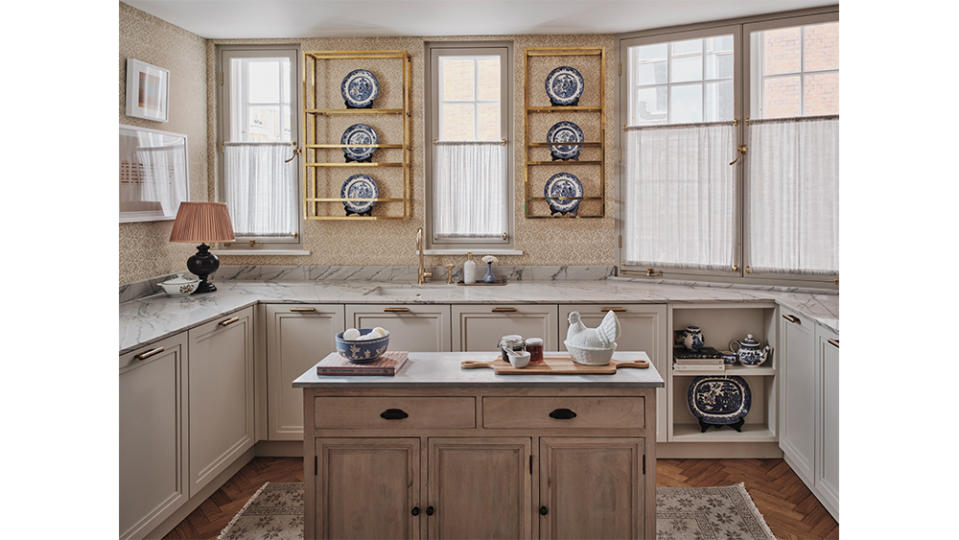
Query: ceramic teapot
x=749, y=351
x=693, y=338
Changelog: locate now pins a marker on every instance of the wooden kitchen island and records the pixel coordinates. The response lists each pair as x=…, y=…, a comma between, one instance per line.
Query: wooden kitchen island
x=442, y=452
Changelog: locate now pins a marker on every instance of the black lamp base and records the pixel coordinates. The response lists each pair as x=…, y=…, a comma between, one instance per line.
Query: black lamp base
x=202, y=265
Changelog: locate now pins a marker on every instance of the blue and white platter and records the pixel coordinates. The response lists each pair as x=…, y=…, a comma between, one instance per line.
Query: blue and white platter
x=565, y=132
x=564, y=86
x=359, y=89
x=359, y=186
x=358, y=134
x=719, y=400
x=563, y=184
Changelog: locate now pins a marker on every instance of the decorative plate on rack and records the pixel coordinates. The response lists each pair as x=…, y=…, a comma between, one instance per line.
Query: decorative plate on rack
x=719, y=400
x=563, y=184
x=359, y=186
x=358, y=134
x=564, y=86
x=359, y=89
x=565, y=132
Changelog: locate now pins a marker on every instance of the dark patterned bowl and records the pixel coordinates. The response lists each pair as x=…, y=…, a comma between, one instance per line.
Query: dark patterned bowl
x=362, y=351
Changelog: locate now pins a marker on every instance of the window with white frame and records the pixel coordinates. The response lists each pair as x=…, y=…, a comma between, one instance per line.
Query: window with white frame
x=258, y=127
x=469, y=192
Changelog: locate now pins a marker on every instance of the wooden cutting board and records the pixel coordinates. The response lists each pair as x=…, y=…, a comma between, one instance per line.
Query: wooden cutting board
x=553, y=365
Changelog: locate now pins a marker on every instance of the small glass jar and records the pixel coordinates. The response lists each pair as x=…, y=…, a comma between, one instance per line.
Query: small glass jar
x=511, y=342
x=534, y=346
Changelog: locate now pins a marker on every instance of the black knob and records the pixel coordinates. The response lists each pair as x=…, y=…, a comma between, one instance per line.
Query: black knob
x=415, y=511
x=562, y=414
x=393, y=414
x=543, y=510
x=429, y=510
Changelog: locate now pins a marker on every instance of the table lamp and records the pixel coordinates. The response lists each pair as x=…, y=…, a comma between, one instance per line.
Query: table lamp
x=202, y=222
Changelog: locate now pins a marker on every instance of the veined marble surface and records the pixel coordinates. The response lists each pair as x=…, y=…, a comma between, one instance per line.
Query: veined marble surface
x=148, y=319
x=443, y=369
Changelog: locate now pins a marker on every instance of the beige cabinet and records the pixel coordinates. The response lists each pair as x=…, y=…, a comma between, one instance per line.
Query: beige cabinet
x=827, y=431
x=298, y=336
x=479, y=327
x=413, y=327
x=153, y=435
x=591, y=487
x=221, y=395
x=368, y=488
x=797, y=436
x=643, y=329
x=479, y=488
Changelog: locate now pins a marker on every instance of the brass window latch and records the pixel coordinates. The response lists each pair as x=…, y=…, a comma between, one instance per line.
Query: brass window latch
x=741, y=151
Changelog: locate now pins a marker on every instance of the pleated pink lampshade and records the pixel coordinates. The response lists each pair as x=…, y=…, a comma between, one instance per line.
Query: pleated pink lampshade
x=205, y=222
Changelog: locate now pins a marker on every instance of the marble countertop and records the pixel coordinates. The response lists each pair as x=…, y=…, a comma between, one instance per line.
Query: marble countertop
x=148, y=319
x=443, y=369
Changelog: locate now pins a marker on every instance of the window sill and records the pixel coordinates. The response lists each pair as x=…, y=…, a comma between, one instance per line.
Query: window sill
x=290, y=252
x=476, y=250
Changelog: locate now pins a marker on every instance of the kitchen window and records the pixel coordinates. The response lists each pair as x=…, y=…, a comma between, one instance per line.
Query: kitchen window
x=258, y=127
x=469, y=192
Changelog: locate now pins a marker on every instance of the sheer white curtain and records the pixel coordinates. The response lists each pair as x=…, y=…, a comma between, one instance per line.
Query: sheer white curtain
x=680, y=207
x=794, y=196
x=260, y=189
x=469, y=190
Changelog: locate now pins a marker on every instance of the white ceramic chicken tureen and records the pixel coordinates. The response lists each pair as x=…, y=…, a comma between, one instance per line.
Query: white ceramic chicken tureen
x=592, y=346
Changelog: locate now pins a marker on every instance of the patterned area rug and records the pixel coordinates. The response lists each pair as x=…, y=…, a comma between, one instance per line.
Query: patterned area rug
x=275, y=512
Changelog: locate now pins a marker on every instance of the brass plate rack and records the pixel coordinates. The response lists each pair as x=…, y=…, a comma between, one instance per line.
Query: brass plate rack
x=312, y=165
x=534, y=52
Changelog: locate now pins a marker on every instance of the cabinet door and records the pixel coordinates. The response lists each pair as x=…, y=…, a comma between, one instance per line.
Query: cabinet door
x=591, y=487
x=479, y=488
x=153, y=436
x=221, y=395
x=643, y=329
x=416, y=328
x=368, y=488
x=298, y=336
x=827, y=464
x=797, y=436
x=479, y=327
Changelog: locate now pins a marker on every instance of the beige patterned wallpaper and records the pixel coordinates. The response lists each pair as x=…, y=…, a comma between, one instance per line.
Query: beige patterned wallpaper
x=144, y=247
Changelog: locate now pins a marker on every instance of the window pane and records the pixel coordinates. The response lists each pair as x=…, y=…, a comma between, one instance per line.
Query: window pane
x=719, y=57
x=686, y=68
x=821, y=93
x=685, y=104
x=781, y=52
x=719, y=101
x=650, y=106
x=456, y=78
x=690, y=46
x=650, y=73
x=285, y=81
x=781, y=97
x=456, y=122
x=488, y=69
x=488, y=122
x=821, y=47
x=263, y=81
x=264, y=123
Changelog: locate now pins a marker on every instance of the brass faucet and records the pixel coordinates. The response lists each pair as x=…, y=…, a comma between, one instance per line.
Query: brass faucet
x=421, y=273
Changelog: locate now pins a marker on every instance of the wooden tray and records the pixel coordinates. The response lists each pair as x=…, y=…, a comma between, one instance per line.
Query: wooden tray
x=553, y=365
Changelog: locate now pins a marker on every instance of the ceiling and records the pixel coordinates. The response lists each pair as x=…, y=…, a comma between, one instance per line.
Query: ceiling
x=326, y=18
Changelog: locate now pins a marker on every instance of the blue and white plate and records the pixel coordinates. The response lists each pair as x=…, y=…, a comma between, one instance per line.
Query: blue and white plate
x=358, y=134
x=359, y=89
x=359, y=186
x=719, y=400
x=564, y=86
x=564, y=132
x=563, y=184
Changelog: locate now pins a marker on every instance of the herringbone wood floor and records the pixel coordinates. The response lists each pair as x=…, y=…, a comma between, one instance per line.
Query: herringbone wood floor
x=790, y=509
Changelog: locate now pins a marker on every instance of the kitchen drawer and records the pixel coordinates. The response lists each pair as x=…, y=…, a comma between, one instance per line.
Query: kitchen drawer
x=590, y=412
x=374, y=412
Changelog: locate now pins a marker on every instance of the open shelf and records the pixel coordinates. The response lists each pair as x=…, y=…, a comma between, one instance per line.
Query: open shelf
x=742, y=371
x=751, y=433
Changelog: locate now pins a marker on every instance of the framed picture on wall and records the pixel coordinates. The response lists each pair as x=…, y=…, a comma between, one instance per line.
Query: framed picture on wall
x=154, y=174
x=148, y=91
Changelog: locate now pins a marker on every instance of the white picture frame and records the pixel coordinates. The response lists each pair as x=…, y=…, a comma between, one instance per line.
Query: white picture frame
x=154, y=174
x=148, y=91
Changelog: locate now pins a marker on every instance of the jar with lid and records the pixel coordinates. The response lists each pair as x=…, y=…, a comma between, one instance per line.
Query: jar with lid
x=534, y=346
x=512, y=343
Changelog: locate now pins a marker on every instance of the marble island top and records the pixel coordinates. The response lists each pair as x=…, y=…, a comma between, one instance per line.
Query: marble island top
x=155, y=317
x=443, y=369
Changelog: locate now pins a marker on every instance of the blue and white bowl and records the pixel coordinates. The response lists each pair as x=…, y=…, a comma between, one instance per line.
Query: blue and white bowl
x=362, y=351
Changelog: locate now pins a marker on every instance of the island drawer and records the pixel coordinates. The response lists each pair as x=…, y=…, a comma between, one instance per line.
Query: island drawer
x=394, y=412
x=623, y=412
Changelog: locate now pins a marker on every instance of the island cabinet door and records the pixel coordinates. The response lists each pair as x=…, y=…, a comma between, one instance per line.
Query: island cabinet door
x=827, y=462
x=413, y=328
x=298, y=336
x=479, y=327
x=367, y=488
x=221, y=395
x=479, y=488
x=643, y=328
x=797, y=391
x=591, y=488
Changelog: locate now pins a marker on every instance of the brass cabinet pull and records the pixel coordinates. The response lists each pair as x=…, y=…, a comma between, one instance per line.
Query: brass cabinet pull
x=158, y=350
x=617, y=309
x=504, y=310
x=303, y=309
x=229, y=321
x=793, y=319
x=834, y=342
x=396, y=310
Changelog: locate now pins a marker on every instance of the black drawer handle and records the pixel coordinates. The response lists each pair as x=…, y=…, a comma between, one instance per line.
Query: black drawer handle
x=429, y=510
x=393, y=414
x=415, y=511
x=543, y=510
x=562, y=414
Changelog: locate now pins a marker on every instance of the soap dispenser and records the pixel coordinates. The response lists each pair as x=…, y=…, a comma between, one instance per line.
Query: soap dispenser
x=469, y=269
